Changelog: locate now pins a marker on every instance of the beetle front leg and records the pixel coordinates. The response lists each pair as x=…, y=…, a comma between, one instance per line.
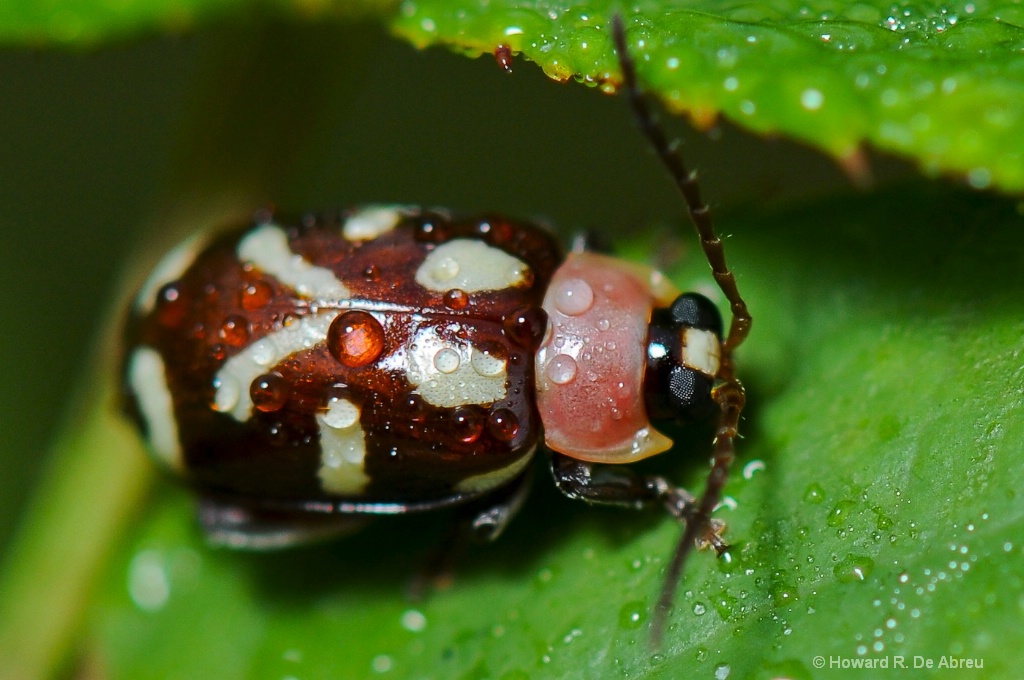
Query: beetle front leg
x=480, y=521
x=619, y=486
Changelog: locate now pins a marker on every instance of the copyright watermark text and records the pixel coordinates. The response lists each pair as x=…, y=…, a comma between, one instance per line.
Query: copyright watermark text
x=896, y=661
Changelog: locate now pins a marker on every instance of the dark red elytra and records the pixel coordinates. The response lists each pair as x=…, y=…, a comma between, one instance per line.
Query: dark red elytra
x=355, y=339
x=269, y=392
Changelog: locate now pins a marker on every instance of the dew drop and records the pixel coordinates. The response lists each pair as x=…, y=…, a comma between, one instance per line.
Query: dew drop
x=503, y=424
x=467, y=423
x=562, y=369
x=814, y=493
x=526, y=326
x=269, y=392
x=256, y=295
x=235, y=330
x=485, y=363
x=854, y=569
x=632, y=615
x=171, y=306
x=456, y=299
x=341, y=413
x=447, y=360
x=355, y=339
x=574, y=297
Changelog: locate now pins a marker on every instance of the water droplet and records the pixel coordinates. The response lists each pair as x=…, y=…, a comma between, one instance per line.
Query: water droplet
x=235, y=330
x=503, y=424
x=485, y=363
x=256, y=295
x=603, y=325
x=722, y=671
x=562, y=369
x=269, y=392
x=468, y=423
x=699, y=608
x=840, y=513
x=632, y=615
x=574, y=297
x=447, y=360
x=171, y=306
x=854, y=568
x=262, y=352
x=526, y=326
x=814, y=493
x=355, y=339
x=341, y=413
x=456, y=299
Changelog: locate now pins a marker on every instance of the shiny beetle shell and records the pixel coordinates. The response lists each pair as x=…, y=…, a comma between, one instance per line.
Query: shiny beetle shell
x=384, y=356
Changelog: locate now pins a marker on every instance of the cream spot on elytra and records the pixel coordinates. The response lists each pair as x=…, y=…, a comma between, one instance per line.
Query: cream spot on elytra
x=471, y=266
x=490, y=480
x=372, y=221
x=342, y=449
x=148, y=379
x=444, y=373
x=266, y=247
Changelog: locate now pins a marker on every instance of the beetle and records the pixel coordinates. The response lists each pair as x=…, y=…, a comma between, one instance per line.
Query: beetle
x=303, y=376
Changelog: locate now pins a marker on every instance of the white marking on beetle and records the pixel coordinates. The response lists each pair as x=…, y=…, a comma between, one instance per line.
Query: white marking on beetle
x=342, y=448
x=495, y=478
x=267, y=248
x=444, y=373
x=701, y=351
x=148, y=379
x=234, y=377
x=472, y=266
x=372, y=221
x=168, y=270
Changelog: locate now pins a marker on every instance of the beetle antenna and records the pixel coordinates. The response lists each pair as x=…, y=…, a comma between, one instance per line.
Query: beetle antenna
x=728, y=392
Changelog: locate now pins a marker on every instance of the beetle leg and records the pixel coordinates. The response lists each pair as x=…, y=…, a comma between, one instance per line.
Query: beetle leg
x=619, y=486
x=480, y=521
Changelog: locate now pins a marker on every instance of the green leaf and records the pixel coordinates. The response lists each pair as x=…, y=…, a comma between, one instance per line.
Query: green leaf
x=942, y=84
x=938, y=83
x=874, y=509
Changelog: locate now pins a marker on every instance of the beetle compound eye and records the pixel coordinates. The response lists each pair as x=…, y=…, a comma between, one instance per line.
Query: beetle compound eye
x=696, y=311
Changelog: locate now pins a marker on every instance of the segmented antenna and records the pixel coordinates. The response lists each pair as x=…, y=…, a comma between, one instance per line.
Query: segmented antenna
x=728, y=391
